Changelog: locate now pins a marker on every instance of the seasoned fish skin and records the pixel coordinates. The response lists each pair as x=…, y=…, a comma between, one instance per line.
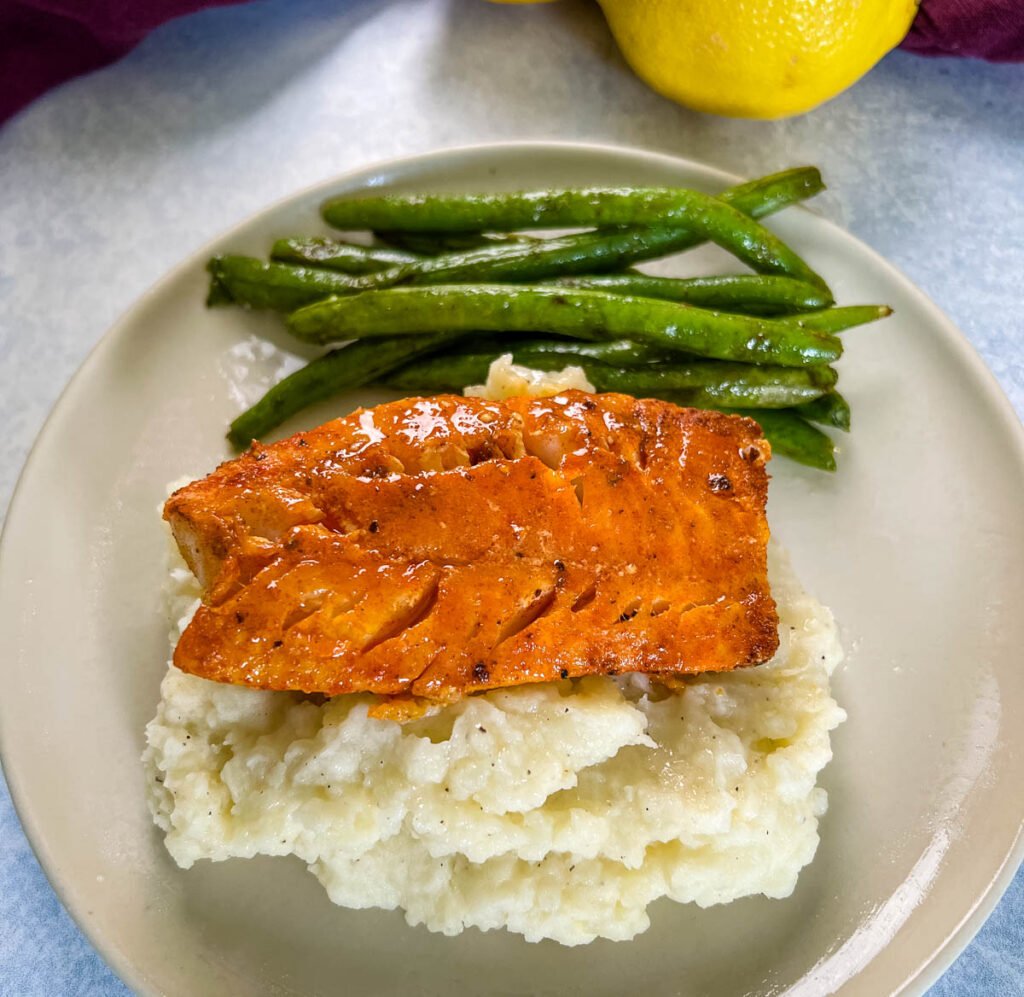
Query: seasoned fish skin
x=442, y=546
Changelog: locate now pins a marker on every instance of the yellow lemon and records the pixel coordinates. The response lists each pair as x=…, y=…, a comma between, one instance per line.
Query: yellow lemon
x=755, y=58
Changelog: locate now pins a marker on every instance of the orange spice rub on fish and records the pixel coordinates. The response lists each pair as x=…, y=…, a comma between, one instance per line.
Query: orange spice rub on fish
x=437, y=547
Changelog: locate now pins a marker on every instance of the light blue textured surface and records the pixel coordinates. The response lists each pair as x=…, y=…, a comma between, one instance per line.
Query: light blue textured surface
x=114, y=178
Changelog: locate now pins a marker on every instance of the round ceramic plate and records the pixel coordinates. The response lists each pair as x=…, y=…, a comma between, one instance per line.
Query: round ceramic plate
x=917, y=544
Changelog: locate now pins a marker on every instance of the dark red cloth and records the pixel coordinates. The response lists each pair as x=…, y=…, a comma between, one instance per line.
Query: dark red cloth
x=986, y=29
x=45, y=42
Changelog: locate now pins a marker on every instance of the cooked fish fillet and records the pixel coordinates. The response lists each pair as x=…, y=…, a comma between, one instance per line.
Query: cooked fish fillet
x=436, y=547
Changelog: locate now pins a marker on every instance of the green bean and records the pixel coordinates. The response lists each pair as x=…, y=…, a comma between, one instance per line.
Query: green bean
x=251, y=283
x=747, y=294
x=435, y=243
x=756, y=198
x=345, y=257
x=581, y=207
x=340, y=370
x=616, y=352
x=217, y=294
x=833, y=320
x=710, y=217
x=592, y=252
x=793, y=437
x=768, y=194
x=703, y=384
x=285, y=287
x=831, y=409
x=730, y=394
x=776, y=387
x=593, y=315
x=448, y=372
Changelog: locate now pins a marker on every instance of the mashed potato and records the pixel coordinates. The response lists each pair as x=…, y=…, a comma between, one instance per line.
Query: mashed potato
x=556, y=811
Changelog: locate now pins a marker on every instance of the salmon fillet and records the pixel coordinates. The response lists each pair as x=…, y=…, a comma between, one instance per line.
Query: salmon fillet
x=437, y=547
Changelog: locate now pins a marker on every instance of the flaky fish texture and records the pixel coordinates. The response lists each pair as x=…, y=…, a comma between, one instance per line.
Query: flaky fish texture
x=435, y=547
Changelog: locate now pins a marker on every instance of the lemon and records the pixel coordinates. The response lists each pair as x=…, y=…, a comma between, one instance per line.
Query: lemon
x=755, y=58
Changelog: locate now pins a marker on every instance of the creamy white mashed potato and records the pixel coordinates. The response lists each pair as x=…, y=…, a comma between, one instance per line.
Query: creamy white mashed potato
x=556, y=811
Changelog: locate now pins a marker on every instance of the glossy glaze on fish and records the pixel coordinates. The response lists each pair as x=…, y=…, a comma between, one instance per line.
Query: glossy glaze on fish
x=437, y=547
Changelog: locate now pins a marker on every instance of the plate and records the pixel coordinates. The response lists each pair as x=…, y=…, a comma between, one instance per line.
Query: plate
x=917, y=544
